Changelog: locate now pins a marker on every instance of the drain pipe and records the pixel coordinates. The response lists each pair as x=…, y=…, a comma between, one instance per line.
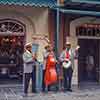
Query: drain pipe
x=57, y=27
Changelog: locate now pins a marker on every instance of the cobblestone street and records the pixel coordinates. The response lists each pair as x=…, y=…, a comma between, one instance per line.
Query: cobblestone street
x=16, y=93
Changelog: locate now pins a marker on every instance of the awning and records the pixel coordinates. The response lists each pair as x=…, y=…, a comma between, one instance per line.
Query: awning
x=81, y=12
x=40, y=3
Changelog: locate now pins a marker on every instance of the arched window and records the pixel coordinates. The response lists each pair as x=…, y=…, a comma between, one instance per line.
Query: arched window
x=11, y=27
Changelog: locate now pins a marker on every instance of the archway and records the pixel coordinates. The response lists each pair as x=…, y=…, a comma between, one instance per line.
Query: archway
x=12, y=39
x=75, y=40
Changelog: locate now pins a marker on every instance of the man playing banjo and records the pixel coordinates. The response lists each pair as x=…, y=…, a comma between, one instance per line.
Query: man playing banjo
x=67, y=58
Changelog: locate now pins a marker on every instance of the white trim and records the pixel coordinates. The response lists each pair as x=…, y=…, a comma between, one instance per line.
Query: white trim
x=12, y=33
x=88, y=37
x=86, y=1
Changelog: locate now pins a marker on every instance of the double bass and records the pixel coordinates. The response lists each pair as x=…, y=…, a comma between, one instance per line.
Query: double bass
x=50, y=74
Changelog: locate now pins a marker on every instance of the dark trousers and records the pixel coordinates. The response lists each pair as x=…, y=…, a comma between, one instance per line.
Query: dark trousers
x=27, y=77
x=67, y=74
x=43, y=83
x=34, y=79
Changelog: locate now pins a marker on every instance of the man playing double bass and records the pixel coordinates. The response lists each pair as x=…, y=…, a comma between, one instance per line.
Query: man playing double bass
x=50, y=77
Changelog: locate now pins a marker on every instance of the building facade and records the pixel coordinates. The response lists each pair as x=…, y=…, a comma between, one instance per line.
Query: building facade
x=21, y=22
x=39, y=21
x=79, y=24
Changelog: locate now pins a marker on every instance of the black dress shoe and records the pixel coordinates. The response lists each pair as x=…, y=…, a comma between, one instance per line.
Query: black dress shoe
x=34, y=91
x=70, y=90
x=65, y=90
x=25, y=95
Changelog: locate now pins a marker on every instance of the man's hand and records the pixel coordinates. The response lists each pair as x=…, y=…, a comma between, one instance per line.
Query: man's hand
x=34, y=56
x=66, y=59
x=77, y=47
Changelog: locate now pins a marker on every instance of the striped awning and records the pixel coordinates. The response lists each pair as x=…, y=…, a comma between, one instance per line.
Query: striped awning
x=40, y=3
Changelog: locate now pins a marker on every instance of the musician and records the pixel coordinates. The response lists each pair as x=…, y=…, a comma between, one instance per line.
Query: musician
x=29, y=60
x=50, y=77
x=67, y=59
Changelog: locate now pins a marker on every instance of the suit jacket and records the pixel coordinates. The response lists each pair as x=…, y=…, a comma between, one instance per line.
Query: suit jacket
x=72, y=56
x=28, y=62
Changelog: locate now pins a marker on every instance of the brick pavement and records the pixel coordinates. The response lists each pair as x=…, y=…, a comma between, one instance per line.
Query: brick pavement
x=15, y=93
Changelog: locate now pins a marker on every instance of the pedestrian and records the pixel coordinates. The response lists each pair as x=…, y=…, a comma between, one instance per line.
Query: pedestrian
x=67, y=58
x=50, y=76
x=29, y=60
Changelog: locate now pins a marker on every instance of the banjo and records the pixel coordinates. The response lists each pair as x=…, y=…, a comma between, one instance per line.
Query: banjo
x=66, y=63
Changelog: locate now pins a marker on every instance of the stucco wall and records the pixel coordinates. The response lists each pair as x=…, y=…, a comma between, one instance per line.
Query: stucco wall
x=35, y=19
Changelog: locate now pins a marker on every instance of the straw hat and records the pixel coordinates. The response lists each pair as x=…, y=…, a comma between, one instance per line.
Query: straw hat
x=68, y=43
x=28, y=45
x=47, y=46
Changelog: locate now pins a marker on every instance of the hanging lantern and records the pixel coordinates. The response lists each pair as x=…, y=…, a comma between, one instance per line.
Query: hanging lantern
x=96, y=26
x=85, y=25
x=14, y=39
x=91, y=25
x=7, y=40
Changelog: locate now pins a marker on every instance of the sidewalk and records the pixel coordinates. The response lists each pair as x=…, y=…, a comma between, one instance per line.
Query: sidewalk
x=15, y=92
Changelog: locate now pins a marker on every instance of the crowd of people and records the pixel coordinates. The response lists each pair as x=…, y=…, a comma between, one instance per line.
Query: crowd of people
x=50, y=75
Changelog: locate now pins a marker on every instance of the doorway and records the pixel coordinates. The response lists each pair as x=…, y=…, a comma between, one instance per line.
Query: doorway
x=11, y=62
x=88, y=60
x=12, y=39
